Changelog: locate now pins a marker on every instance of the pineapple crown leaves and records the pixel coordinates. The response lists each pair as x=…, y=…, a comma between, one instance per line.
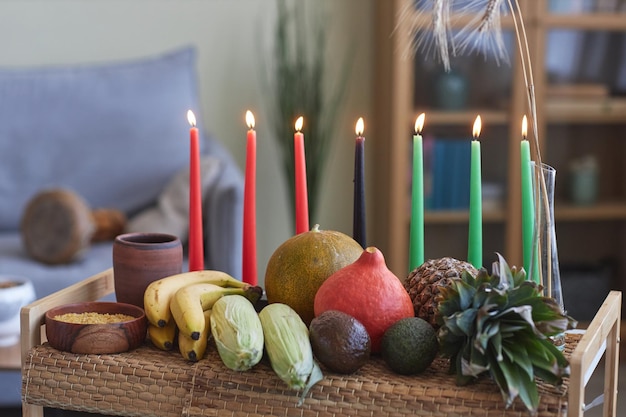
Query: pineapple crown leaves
x=501, y=324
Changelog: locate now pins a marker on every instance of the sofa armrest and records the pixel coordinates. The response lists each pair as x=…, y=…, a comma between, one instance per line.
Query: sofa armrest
x=223, y=216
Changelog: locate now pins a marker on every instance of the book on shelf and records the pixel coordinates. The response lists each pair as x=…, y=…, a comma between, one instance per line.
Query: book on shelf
x=446, y=173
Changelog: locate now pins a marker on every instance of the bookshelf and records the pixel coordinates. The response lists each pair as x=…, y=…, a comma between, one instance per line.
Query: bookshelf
x=575, y=118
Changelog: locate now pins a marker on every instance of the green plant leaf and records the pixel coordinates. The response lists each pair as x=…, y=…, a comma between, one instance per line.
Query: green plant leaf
x=485, y=312
x=496, y=342
x=504, y=331
x=508, y=328
x=523, y=294
x=466, y=293
x=548, y=362
x=449, y=302
x=474, y=367
x=461, y=378
x=524, y=312
x=489, y=333
x=499, y=378
x=520, y=384
x=466, y=321
x=297, y=83
x=450, y=344
x=516, y=352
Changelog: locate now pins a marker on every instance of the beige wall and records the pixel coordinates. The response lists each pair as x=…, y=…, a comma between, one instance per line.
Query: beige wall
x=233, y=37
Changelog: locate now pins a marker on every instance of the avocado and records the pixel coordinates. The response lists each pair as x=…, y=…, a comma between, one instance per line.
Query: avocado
x=409, y=346
x=339, y=341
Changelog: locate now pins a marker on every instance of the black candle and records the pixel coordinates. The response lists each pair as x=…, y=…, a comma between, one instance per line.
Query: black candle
x=358, y=232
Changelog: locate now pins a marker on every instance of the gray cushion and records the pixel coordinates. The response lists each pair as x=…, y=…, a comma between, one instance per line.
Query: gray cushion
x=103, y=131
x=46, y=279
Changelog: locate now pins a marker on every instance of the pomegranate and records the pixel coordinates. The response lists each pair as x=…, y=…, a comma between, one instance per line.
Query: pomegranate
x=368, y=291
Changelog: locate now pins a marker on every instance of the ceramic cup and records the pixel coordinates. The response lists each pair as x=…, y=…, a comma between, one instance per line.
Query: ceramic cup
x=15, y=293
x=141, y=258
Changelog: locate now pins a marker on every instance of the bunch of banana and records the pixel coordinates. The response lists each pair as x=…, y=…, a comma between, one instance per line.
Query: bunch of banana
x=178, y=308
x=163, y=337
x=193, y=350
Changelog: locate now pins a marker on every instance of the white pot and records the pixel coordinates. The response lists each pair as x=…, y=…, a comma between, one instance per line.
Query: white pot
x=12, y=299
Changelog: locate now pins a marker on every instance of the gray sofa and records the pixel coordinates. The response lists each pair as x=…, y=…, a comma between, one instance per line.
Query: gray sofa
x=117, y=135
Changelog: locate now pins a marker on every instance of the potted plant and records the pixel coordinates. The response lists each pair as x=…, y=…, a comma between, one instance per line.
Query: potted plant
x=298, y=84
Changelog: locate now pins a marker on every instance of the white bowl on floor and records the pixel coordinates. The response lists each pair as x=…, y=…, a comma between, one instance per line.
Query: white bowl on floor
x=15, y=293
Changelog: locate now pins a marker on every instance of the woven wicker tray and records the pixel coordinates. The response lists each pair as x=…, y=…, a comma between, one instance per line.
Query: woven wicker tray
x=149, y=382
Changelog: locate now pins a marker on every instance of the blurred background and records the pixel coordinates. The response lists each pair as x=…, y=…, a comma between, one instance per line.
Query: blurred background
x=234, y=40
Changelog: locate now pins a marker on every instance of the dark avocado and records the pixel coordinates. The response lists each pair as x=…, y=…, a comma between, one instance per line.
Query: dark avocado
x=339, y=341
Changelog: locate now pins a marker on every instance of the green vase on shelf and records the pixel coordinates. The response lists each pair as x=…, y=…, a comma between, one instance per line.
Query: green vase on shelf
x=451, y=90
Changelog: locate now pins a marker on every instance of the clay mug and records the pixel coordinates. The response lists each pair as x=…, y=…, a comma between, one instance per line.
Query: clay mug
x=141, y=258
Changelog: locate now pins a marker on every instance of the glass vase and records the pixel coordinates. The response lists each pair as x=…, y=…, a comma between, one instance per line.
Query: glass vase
x=545, y=260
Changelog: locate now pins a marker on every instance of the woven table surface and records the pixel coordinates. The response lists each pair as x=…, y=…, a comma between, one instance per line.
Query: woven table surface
x=148, y=382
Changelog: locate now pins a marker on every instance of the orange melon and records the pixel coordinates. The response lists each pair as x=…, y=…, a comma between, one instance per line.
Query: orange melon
x=300, y=265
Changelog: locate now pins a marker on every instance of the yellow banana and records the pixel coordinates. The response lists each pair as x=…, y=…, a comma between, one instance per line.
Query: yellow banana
x=163, y=337
x=188, y=304
x=193, y=350
x=158, y=294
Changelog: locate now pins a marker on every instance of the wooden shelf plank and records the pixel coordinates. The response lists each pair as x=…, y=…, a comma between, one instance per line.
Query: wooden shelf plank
x=609, y=110
x=423, y=20
x=461, y=216
x=603, y=211
x=464, y=117
x=586, y=21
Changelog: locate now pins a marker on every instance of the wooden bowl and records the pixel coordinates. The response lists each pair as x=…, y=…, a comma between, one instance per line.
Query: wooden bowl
x=91, y=338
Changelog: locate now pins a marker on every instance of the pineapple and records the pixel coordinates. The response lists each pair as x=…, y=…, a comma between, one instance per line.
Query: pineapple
x=424, y=282
x=501, y=324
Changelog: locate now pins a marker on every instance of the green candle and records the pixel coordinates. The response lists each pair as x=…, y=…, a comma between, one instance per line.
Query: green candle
x=416, y=243
x=528, y=211
x=475, y=242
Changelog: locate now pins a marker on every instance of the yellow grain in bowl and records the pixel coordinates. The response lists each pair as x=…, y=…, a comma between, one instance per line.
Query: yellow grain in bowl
x=93, y=318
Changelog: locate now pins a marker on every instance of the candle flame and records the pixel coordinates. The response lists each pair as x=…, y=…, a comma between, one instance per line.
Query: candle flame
x=192, y=118
x=524, y=127
x=299, y=123
x=477, y=126
x=250, y=119
x=419, y=123
x=360, y=127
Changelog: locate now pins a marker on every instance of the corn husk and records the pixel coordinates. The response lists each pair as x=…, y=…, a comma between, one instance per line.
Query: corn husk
x=237, y=332
x=289, y=348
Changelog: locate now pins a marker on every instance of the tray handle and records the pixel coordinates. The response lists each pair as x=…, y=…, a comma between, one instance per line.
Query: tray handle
x=603, y=334
x=32, y=316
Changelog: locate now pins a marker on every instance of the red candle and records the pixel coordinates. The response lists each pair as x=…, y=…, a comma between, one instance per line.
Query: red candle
x=196, y=256
x=358, y=220
x=302, y=203
x=249, y=266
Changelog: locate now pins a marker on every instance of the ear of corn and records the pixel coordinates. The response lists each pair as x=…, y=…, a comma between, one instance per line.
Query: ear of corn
x=237, y=332
x=289, y=348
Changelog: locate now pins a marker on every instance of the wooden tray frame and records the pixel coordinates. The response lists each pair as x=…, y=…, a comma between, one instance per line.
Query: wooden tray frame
x=602, y=336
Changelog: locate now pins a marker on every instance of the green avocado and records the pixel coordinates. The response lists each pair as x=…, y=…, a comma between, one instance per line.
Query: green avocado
x=409, y=346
